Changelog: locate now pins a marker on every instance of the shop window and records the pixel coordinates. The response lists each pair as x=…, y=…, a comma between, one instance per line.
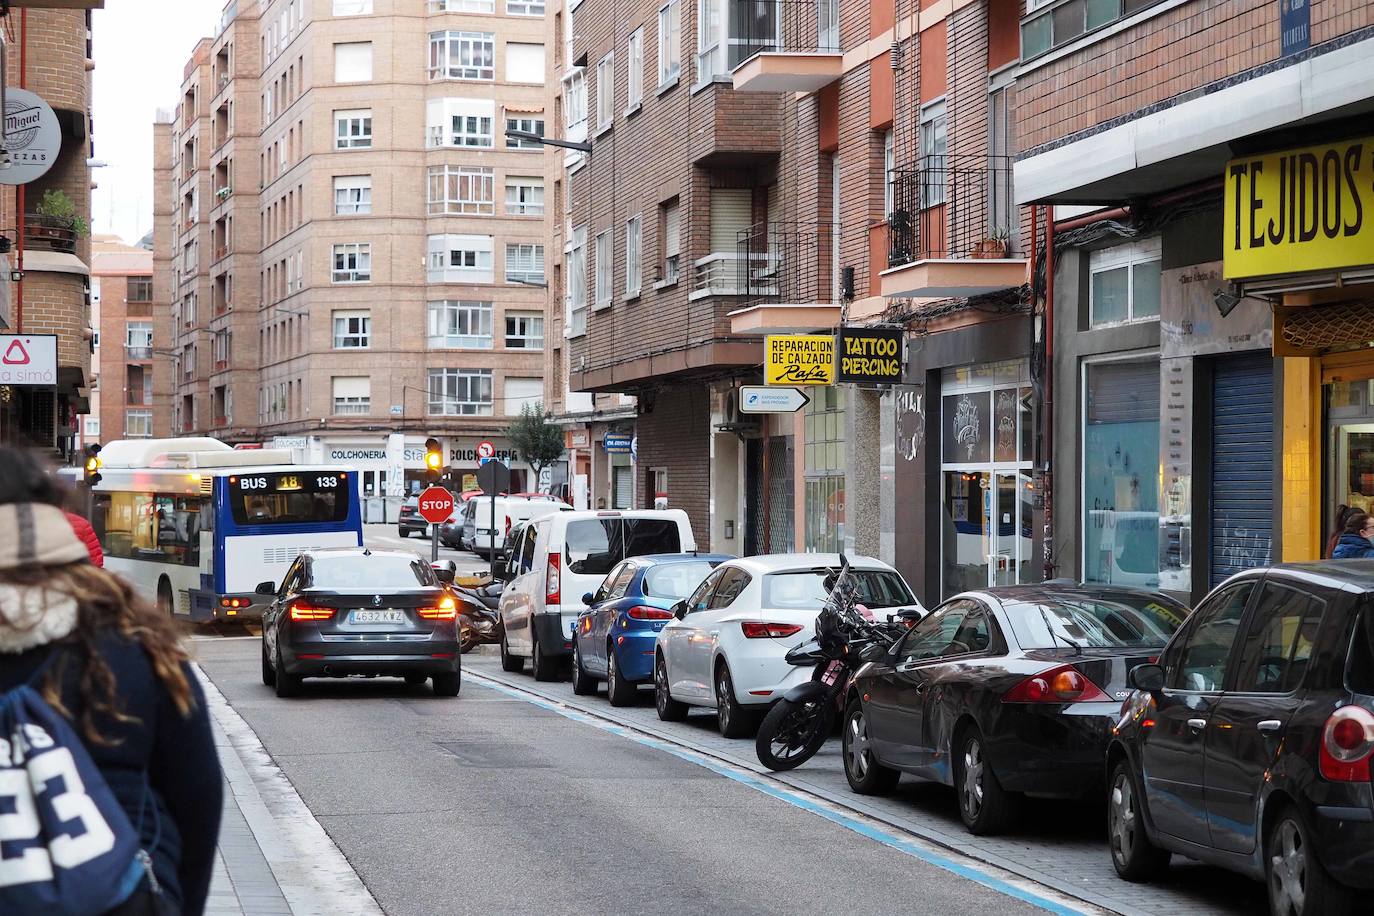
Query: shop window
x=1124, y=283
x=824, y=453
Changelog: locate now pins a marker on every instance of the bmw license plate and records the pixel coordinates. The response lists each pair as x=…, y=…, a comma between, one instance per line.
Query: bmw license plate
x=377, y=617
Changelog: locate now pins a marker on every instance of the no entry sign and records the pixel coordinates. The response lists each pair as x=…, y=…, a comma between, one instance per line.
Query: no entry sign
x=436, y=504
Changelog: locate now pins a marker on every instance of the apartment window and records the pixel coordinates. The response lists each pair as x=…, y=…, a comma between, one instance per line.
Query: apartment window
x=524, y=331
x=524, y=63
x=460, y=392
x=352, y=195
x=605, y=92
x=605, y=268
x=524, y=196
x=352, y=7
x=889, y=163
x=462, y=6
x=353, y=62
x=524, y=7
x=352, y=330
x=462, y=56
x=460, y=259
x=138, y=424
x=524, y=263
x=525, y=125
x=669, y=43
x=352, y=263
x=461, y=190
x=353, y=129
x=1124, y=283
x=140, y=289
x=521, y=393
x=460, y=325
x=352, y=394
x=633, y=247
x=710, y=44
x=672, y=241
x=138, y=335
x=575, y=104
x=462, y=123
x=934, y=147
x=635, y=53
x=575, y=296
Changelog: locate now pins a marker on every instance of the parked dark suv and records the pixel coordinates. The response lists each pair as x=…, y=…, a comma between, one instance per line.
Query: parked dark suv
x=1249, y=745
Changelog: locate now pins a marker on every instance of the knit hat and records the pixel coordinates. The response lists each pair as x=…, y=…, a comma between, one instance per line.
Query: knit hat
x=35, y=534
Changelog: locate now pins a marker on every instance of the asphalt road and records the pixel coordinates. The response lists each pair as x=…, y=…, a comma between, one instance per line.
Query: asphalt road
x=491, y=804
x=386, y=536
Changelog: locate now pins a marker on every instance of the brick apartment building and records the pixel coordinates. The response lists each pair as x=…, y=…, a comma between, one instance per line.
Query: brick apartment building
x=50, y=55
x=357, y=252
x=131, y=376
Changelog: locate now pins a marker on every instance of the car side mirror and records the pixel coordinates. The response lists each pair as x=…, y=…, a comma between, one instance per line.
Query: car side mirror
x=910, y=615
x=680, y=610
x=266, y=588
x=588, y=599
x=1149, y=678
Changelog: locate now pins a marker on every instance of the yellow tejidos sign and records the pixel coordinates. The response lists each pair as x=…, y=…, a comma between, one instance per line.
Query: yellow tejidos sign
x=1302, y=209
x=799, y=359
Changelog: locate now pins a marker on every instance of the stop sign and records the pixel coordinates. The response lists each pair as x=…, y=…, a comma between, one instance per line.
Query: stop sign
x=436, y=504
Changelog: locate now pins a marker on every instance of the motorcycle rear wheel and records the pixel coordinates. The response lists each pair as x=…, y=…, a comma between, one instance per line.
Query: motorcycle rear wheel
x=792, y=733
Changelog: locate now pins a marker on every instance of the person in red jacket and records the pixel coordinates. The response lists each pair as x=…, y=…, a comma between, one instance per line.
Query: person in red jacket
x=86, y=533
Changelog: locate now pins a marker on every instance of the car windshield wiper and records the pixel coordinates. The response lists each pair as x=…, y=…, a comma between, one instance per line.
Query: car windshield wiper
x=1077, y=649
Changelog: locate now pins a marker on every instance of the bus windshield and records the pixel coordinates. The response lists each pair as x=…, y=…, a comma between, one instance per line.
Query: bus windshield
x=288, y=499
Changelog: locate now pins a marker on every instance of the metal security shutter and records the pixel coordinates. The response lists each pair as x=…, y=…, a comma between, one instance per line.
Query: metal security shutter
x=1242, y=508
x=731, y=214
x=622, y=485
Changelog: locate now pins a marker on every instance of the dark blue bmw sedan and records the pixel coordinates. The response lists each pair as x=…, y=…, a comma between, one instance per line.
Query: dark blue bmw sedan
x=615, y=635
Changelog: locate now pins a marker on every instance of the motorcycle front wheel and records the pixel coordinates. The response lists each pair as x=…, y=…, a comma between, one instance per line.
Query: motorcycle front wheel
x=792, y=733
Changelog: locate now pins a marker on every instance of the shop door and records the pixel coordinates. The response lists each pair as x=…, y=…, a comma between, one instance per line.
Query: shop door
x=1242, y=507
x=1009, y=522
x=622, y=486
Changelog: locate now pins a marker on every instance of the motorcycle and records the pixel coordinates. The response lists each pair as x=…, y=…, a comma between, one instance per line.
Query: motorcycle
x=479, y=615
x=798, y=724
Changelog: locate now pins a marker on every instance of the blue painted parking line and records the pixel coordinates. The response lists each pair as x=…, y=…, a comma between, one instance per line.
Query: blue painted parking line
x=891, y=838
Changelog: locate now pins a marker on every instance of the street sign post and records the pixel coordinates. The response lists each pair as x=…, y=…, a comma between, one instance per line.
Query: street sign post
x=771, y=399
x=436, y=505
x=493, y=477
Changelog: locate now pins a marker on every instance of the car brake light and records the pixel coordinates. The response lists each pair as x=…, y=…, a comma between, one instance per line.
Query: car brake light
x=507, y=526
x=758, y=629
x=1065, y=684
x=551, y=590
x=1347, y=745
x=300, y=610
x=649, y=613
x=446, y=609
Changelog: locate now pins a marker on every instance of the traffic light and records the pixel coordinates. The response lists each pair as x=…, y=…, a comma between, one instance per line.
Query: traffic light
x=434, y=460
x=93, y=465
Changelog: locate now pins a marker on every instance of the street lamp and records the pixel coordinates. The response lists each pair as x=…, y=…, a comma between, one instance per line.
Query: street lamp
x=530, y=137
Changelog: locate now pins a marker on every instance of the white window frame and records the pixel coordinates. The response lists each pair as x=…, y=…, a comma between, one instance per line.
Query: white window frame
x=520, y=326
x=575, y=293
x=934, y=152
x=460, y=324
x=345, y=121
x=461, y=258
x=605, y=268
x=672, y=259
x=575, y=105
x=634, y=247
x=525, y=263
x=455, y=186
x=352, y=195
x=512, y=404
x=352, y=329
x=350, y=404
x=521, y=194
x=710, y=40
x=352, y=7
x=889, y=163
x=669, y=43
x=635, y=77
x=138, y=335
x=455, y=405
x=1130, y=256
x=527, y=124
x=524, y=7
x=461, y=124
x=462, y=6
x=360, y=256
x=141, y=430
x=605, y=93
x=459, y=54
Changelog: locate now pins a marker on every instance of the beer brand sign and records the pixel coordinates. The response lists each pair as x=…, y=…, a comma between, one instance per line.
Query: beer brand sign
x=32, y=138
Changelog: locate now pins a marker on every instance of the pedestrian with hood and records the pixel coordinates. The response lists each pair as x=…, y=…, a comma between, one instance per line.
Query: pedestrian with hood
x=1342, y=513
x=1355, y=542
x=107, y=760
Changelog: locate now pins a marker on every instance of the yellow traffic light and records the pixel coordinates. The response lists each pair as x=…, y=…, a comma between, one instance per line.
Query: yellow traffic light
x=434, y=459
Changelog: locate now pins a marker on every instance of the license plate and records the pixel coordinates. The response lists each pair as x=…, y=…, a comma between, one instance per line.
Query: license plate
x=377, y=617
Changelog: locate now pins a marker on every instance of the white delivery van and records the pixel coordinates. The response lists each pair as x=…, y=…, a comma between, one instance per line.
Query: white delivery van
x=559, y=558
x=481, y=537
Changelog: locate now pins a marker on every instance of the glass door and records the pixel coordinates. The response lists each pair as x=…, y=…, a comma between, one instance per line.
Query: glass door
x=1009, y=527
x=1352, y=462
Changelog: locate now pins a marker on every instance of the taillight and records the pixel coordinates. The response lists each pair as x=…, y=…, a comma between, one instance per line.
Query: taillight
x=1065, y=684
x=649, y=613
x=507, y=526
x=300, y=610
x=758, y=629
x=551, y=582
x=447, y=609
x=1347, y=745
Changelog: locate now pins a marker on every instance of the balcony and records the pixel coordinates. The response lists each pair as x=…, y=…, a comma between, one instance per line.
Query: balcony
x=137, y=354
x=786, y=45
x=792, y=284
x=952, y=231
x=50, y=233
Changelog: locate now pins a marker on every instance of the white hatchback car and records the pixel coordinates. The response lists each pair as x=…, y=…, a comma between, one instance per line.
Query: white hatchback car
x=727, y=643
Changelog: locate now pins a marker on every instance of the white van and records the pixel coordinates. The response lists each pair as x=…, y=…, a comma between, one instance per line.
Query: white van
x=481, y=537
x=561, y=557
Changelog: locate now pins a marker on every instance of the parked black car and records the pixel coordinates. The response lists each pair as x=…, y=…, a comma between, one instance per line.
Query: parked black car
x=352, y=610
x=410, y=521
x=1249, y=744
x=1006, y=691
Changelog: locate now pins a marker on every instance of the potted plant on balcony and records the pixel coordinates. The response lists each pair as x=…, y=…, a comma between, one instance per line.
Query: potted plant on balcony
x=57, y=224
x=995, y=245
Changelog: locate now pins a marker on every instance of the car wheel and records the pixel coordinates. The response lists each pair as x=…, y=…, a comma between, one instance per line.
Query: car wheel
x=403, y=532
x=447, y=683
x=415, y=680
x=618, y=690
x=734, y=720
x=861, y=767
x=543, y=667
x=288, y=685
x=669, y=710
x=510, y=662
x=985, y=807
x=269, y=676
x=1134, y=857
x=582, y=682
x=1298, y=885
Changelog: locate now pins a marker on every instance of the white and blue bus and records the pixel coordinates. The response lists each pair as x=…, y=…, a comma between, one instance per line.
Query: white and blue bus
x=196, y=525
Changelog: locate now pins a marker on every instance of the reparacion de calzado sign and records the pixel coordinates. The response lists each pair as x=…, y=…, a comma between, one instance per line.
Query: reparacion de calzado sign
x=870, y=355
x=799, y=359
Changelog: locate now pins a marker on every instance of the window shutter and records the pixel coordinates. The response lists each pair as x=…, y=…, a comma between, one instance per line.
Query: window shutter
x=731, y=214
x=672, y=237
x=353, y=387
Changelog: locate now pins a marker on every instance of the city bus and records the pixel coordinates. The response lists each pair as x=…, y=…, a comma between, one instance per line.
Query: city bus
x=195, y=525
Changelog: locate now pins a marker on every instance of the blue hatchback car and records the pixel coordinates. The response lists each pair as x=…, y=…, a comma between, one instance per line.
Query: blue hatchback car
x=615, y=635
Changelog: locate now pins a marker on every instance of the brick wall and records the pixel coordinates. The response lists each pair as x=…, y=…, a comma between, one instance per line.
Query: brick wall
x=674, y=431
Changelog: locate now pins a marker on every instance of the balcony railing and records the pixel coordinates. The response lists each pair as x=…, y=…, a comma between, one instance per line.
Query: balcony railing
x=724, y=273
x=51, y=233
x=951, y=208
x=138, y=353
x=790, y=262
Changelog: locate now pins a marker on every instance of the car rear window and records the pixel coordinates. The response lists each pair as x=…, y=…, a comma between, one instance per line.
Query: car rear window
x=1127, y=622
x=595, y=546
x=675, y=581
x=374, y=572
x=1359, y=675
x=805, y=589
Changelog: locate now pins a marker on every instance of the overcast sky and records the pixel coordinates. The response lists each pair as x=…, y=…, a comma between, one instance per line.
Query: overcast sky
x=141, y=48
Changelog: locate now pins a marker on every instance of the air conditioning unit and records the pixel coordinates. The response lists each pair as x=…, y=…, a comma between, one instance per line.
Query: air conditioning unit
x=744, y=425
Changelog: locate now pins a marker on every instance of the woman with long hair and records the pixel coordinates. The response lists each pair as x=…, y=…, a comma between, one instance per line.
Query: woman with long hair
x=115, y=669
x=1342, y=513
x=1357, y=541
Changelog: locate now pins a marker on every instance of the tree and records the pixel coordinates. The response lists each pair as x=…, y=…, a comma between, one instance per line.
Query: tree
x=534, y=437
